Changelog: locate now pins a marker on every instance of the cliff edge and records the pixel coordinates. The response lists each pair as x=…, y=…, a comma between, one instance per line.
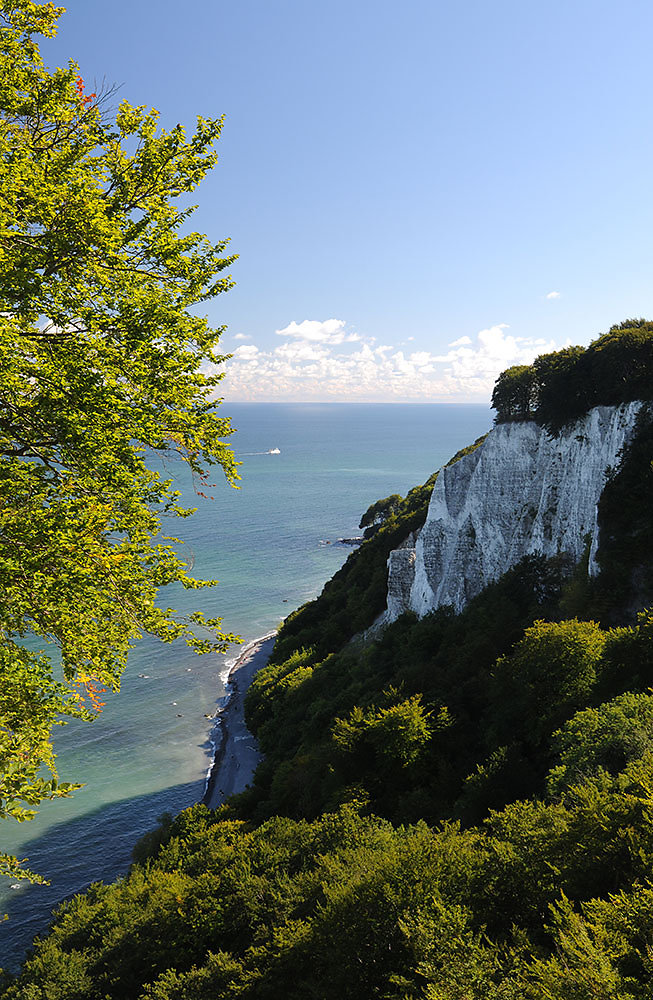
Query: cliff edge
x=521, y=492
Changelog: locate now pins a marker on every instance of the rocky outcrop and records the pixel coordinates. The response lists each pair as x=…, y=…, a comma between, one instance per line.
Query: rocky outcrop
x=519, y=493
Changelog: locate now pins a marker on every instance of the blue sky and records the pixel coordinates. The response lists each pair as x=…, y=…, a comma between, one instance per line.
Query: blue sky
x=420, y=194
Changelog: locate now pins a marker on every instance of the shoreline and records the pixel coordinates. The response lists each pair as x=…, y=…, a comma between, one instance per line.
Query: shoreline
x=235, y=754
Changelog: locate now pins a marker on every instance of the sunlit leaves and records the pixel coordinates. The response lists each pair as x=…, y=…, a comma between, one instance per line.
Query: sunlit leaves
x=102, y=366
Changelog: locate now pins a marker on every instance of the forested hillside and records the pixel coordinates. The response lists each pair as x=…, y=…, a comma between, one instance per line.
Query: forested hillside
x=460, y=808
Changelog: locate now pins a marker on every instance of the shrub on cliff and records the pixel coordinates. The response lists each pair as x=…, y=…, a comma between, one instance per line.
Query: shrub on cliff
x=379, y=512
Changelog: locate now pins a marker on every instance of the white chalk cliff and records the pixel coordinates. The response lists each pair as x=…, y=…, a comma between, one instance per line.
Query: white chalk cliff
x=521, y=492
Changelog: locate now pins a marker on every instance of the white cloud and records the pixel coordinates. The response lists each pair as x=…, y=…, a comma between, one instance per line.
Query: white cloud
x=553, y=295
x=496, y=351
x=318, y=361
x=421, y=358
x=331, y=331
x=248, y=352
x=294, y=351
x=242, y=336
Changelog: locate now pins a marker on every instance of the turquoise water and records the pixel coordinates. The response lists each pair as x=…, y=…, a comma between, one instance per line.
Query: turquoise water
x=265, y=542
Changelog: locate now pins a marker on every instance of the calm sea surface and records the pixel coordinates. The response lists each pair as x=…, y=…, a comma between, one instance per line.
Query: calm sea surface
x=149, y=751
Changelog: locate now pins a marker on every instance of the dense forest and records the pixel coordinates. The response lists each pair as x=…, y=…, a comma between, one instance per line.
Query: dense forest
x=460, y=807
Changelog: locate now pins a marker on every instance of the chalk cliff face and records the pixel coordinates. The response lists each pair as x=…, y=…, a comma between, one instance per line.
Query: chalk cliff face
x=519, y=493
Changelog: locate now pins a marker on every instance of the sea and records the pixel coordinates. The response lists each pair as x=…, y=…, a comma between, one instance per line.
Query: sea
x=308, y=472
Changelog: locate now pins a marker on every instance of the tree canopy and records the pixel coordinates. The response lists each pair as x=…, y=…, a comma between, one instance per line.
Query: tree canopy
x=562, y=386
x=379, y=512
x=104, y=364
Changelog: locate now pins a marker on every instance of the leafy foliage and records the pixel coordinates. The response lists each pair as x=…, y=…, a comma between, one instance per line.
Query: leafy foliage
x=103, y=365
x=379, y=512
x=442, y=665
x=604, y=738
x=542, y=898
x=551, y=672
x=560, y=387
x=514, y=396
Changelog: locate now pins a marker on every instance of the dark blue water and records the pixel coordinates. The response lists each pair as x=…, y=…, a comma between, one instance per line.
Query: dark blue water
x=264, y=542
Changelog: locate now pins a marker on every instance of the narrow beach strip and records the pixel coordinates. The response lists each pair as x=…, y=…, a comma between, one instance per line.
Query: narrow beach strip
x=236, y=753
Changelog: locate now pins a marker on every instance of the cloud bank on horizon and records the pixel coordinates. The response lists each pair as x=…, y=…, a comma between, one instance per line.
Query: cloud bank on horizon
x=322, y=361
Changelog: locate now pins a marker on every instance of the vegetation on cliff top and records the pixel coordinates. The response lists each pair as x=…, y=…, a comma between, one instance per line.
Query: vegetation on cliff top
x=560, y=387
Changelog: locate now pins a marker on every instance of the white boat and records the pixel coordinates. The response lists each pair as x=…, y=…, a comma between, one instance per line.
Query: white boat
x=274, y=451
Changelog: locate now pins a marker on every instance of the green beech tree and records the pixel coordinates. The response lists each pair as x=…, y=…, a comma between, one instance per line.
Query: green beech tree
x=103, y=364
x=378, y=513
x=514, y=393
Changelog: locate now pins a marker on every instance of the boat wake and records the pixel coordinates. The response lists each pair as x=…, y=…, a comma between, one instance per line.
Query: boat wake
x=251, y=454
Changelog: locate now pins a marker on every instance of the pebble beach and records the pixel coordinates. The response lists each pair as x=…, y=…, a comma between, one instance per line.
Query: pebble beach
x=237, y=754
